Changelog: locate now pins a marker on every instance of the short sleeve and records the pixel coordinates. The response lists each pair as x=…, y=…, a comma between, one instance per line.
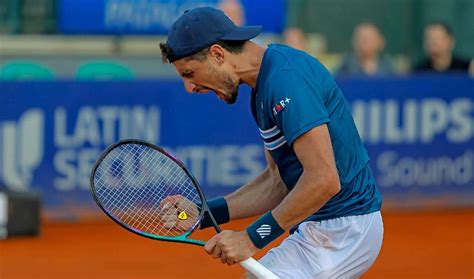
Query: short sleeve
x=298, y=105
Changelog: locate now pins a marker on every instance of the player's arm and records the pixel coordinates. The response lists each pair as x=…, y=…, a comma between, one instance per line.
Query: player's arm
x=260, y=195
x=263, y=193
x=318, y=183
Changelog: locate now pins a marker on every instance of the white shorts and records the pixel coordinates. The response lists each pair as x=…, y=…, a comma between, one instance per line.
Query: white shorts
x=343, y=247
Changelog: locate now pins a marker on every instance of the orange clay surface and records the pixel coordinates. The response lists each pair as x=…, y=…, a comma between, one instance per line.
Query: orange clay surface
x=416, y=245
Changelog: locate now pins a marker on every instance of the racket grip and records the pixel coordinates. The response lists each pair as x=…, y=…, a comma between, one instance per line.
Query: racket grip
x=257, y=269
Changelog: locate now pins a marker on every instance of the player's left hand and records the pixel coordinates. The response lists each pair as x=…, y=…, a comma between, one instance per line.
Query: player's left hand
x=231, y=247
x=170, y=209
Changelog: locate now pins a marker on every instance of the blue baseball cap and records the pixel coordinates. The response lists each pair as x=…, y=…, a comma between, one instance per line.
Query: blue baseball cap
x=202, y=27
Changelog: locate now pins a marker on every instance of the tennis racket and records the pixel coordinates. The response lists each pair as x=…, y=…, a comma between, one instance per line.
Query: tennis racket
x=148, y=191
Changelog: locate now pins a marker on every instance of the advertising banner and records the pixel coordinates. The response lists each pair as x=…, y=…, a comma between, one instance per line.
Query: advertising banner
x=154, y=16
x=419, y=133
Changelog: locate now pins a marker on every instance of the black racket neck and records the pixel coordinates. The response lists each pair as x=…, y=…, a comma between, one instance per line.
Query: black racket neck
x=213, y=221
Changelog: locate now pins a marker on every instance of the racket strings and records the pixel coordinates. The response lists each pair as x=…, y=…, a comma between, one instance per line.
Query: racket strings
x=144, y=211
x=132, y=181
x=131, y=192
x=129, y=214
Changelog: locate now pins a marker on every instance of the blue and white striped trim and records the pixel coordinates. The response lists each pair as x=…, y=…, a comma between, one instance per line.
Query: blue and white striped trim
x=266, y=134
x=275, y=144
x=273, y=138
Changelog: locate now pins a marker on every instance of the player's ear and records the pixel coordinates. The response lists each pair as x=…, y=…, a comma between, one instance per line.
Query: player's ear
x=216, y=52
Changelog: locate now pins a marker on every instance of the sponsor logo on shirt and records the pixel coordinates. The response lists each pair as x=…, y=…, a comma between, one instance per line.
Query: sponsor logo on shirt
x=281, y=105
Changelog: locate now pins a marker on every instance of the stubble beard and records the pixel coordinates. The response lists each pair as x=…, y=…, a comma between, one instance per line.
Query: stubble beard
x=233, y=94
x=232, y=88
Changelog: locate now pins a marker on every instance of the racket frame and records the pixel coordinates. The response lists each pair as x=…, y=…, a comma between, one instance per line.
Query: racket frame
x=183, y=238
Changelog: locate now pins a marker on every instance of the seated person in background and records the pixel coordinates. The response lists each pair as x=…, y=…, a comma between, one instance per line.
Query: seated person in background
x=368, y=44
x=234, y=10
x=295, y=37
x=439, y=43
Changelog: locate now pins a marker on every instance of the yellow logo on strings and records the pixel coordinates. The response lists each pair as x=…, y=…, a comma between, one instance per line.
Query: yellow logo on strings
x=182, y=216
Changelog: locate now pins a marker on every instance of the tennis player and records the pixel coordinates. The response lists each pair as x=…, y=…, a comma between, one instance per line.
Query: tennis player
x=318, y=184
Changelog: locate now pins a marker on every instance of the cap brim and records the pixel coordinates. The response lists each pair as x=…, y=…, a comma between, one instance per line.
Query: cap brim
x=242, y=33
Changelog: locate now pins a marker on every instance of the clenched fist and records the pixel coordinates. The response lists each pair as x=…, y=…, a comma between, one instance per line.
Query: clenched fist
x=178, y=213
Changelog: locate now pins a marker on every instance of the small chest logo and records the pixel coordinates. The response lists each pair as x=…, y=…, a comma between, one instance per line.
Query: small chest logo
x=281, y=105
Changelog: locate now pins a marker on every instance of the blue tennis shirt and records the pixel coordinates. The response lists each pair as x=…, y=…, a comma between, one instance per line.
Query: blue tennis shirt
x=295, y=93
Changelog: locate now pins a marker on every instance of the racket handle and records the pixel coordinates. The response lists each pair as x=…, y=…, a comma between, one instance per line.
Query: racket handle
x=257, y=269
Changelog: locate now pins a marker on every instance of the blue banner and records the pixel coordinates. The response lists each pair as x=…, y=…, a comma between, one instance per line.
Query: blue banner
x=419, y=133
x=154, y=16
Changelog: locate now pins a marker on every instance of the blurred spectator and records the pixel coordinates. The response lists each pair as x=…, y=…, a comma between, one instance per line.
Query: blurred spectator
x=295, y=37
x=368, y=44
x=234, y=9
x=439, y=43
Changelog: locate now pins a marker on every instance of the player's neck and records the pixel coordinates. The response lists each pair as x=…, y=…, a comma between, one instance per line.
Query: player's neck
x=247, y=64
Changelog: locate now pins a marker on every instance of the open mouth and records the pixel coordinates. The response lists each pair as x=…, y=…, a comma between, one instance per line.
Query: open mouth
x=206, y=90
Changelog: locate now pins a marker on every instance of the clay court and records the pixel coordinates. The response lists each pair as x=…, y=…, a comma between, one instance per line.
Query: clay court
x=431, y=244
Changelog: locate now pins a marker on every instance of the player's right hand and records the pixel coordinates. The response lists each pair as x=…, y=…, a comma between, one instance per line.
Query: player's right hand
x=178, y=213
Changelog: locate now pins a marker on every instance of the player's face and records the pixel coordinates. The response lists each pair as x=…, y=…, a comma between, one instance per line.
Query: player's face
x=205, y=76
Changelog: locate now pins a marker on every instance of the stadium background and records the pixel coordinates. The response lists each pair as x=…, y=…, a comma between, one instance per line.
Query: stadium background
x=77, y=75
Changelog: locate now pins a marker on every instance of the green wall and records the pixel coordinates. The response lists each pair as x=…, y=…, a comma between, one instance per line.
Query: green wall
x=401, y=21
